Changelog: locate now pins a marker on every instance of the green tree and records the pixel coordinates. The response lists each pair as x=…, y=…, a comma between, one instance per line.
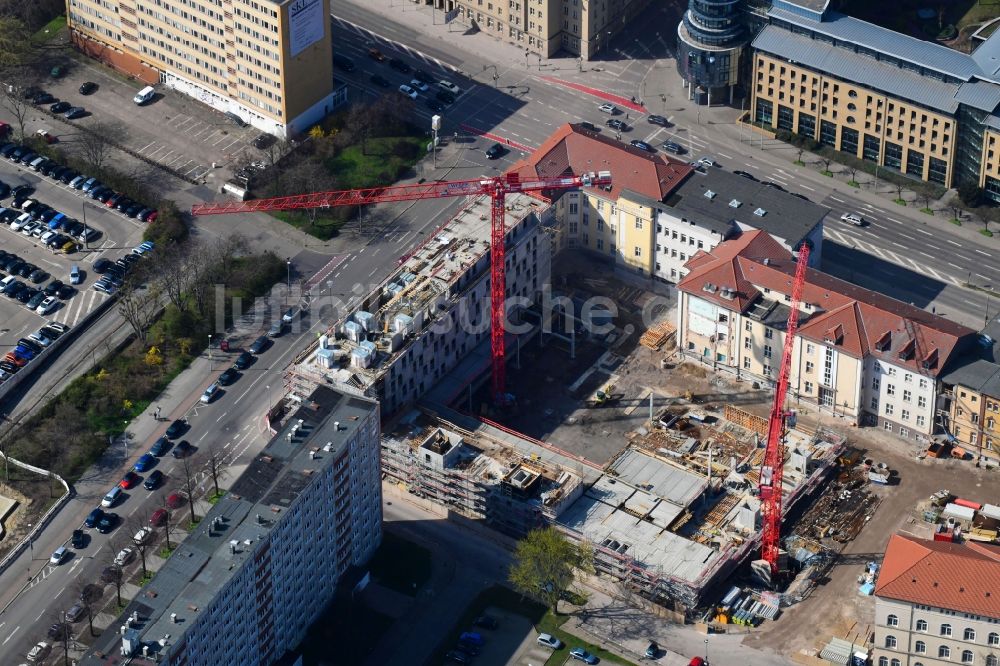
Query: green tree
x=970, y=194
x=544, y=565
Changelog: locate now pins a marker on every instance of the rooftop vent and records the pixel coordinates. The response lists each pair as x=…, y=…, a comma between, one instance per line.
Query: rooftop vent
x=728, y=293
x=735, y=203
x=710, y=288
x=760, y=212
x=709, y=194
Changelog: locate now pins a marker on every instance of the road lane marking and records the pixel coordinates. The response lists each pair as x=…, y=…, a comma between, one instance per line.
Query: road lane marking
x=836, y=199
x=893, y=219
x=954, y=243
x=900, y=245
x=11, y=634
x=926, y=233
x=929, y=256
x=984, y=253
x=728, y=157
x=954, y=265
x=806, y=187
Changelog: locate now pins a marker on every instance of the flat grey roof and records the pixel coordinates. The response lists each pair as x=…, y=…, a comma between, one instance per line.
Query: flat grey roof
x=979, y=367
x=864, y=70
x=788, y=217
x=674, y=484
x=204, y=562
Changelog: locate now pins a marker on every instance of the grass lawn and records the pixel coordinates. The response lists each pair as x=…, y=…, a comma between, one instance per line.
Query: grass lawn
x=544, y=621
x=377, y=164
x=50, y=30
x=324, y=228
x=978, y=12
x=401, y=565
x=344, y=635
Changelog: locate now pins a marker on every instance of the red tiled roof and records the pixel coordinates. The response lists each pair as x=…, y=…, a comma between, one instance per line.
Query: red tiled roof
x=854, y=319
x=959, y=577
x=572, y=149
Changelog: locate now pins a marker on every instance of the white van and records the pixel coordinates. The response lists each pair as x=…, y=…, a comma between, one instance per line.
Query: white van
x=144, y=95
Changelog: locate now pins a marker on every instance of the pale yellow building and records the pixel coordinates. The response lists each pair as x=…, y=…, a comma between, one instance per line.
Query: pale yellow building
x=972, y=385
x=269, y=62
x=543, y=27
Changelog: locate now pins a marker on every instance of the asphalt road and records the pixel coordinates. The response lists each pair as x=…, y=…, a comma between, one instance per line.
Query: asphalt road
x=902, y=251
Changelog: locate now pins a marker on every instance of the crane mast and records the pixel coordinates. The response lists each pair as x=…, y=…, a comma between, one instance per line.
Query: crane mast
x=773, y=466
x=496, y=187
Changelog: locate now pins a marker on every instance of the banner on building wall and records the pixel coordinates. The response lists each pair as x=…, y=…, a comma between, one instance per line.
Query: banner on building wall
x=306, y=25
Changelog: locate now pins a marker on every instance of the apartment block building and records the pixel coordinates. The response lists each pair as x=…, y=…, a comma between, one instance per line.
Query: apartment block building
x=543, y=28
x=264, y=562
x=712, y=40
x=267, y=61
x=936, y=603
x=908, y=105
x=971, y=413
x=857, y=353
x=659, y=212
x=433, y=313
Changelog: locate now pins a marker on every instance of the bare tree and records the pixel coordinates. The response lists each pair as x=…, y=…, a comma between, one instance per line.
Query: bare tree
x=88, y=594
x=800, y=152
x=170, y=267
x=215, y=466
x=899, y=191
x=14, y=90
x=114, y=573
x=826, y=163
x=97, y=143
x=956, y=207
x=187, y=470
x=138, y=304
x=926, y=200
x=140, y=539
x=854, y=173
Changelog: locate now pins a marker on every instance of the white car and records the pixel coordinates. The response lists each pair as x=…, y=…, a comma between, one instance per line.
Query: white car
x=210, y=393
x=48, y=305
x=143, y=535
x=408, y=91
x=39, y=652
x=29, y=228
x=607, y=108
x=419, y=85
x=549, y=641
x=19, y=223
x=112, y=497
x=58, y=555
x=707, y=161
x=46, y=236
x=124, y=556
x=40, y=337
x=853, y=218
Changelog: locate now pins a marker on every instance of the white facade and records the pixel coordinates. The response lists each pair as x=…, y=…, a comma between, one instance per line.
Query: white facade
x=677, y=240
x=898, y=399
x=908, y=634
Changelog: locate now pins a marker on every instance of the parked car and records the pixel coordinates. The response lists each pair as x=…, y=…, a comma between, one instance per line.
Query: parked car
x=75, y=112
x=58, y=631
x=143, y=535
x=658, y=120
x=58, y=555
x=154, y=480
x=60, y=107
x=608, y=108
x=380, y=81
x=130, y=480
x=210, y=394
x=183, y=449
x=244, y=360
x=124, y=556
x=48, y=304
x=145, y=462
x=642, y=145
x=76, y=612
x=579, y=654
x=92, y=517
x=260, y=345
x=229, y=376
x=88, y=88
x=160, y=447
x=408, y=91
x=176, y=429
x=175, y=501
x=158, y=518
x=486, y=622
x=39, y=651
x=46, y=135
x=652, y=650
x=549, y=641
x=79, y=539
x=399, y=65
x=495, y=151
x=112, y=497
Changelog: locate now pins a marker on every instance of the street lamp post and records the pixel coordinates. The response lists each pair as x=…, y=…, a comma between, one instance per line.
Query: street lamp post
x=288, y=294
x=706, y=651
x=86, y=243
x=209, y=352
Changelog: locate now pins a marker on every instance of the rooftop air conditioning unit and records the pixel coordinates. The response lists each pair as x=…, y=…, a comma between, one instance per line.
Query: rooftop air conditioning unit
x=760, y=212
x=709, y=194
x=735, y=203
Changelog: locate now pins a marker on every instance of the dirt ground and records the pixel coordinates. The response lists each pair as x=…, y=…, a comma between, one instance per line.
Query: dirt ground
x=34, y=494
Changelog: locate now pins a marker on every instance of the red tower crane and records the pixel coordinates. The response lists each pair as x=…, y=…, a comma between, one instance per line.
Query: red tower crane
x=774, y=458
x=497, y=187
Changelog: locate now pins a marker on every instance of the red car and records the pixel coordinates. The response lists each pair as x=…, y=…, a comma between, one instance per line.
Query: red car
x=176, y=501
x=159, y=518
x=129, y=480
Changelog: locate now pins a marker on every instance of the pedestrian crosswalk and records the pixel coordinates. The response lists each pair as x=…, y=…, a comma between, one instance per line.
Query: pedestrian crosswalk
x=888, y=255
x=378, y=41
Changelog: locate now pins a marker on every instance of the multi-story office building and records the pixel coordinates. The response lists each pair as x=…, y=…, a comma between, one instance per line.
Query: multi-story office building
x=658, y=212
x=857, y=353
x=908, y=105
x=972, y=385
x=711, y=40
x=543, y=27
x=267, y=61
x=935, y=604
x=264, y=562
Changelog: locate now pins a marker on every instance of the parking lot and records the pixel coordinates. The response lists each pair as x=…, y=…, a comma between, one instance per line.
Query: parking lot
x=116, y=235
x=172, y=129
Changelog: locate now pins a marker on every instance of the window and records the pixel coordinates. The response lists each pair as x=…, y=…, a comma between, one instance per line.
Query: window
x=894, y=662
x=768, y=333
x=809, y=349
x=945, y=630
x=890, y=389
x=767, y=351
x=638, y=251
x=907, y=396
x=638, y=224
x=921, y=421
x=890, y=642
x=875, y=383
x=874, y=404
x=944, y=652
x=809, y=366
x=993, y=639
x=921, y=625
x=746, y=362
x=892, y=621
x=747, y=344
x=809, y=387
x=967, y=656
x=921, y=401
x=969, y=634
x=748, y=326
x=906, y=415
x=991, y=660
x=920, y=647
x=883, y=661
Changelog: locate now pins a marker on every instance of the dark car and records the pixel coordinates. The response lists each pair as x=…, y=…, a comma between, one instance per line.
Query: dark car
x=773, y=185
x=79, y=539
x=94, y=517
x=68, y=176
x=110, y=574
x=264, y=141
x=133, y=210
x=376, y=55
x=589, y=126
x=60, y=107
x=38, y=276
x=380, y=81
x=671, y=147
x=486, y=622
x=160, y=446
x=244, y=361
x=59, y=631
x=260, y=345
x=88, y=88
x=145, y=213
x=434, y=105
x=43, y=98
x=652, y=650
x=228, y=377
x=123, y=204
x=399, y=65
x=107, y=523
x=619, y=125
x=52, y=288
x=26, y=294
x=65, y=292
x=22, y=191
x=176, y=429
x=26, y=269
x=422, y=76
x=153, y=480
x=658, y=120
x=91, y=593
x=445, y=96
x=642, y=145
x=102, y=265
x=114, y=199
x=75, y=112
x=344, y=63
x=745, y=174
x=183, y=449
x=494, y=151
